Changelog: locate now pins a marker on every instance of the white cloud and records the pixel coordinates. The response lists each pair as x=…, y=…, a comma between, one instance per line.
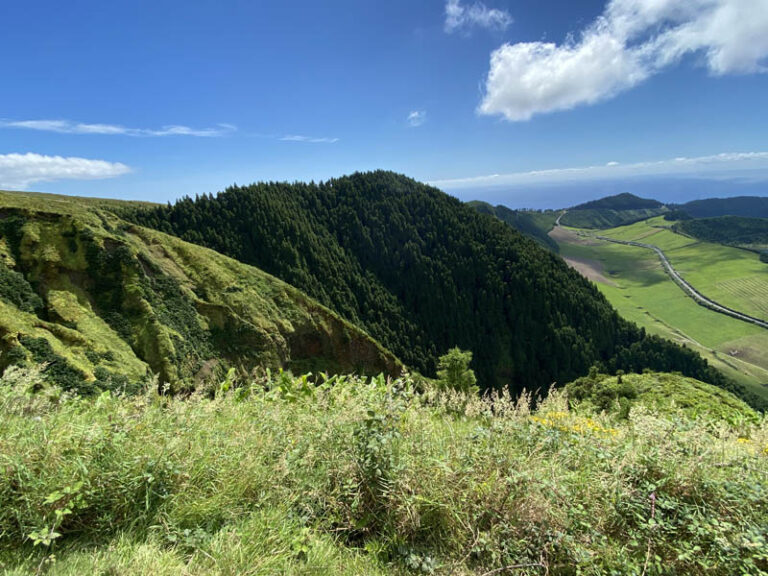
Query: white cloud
x=462, y=17
x=19, y=171
x=417, y=118
x=69, y=127
x=631, y=41
x=701, y=165
x=308, y=139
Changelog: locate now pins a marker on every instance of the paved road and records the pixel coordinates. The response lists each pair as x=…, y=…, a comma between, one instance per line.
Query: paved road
x=680, y=281
x=687, y=288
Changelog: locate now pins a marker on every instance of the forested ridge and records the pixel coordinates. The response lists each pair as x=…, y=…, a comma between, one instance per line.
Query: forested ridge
x=732, y=230
x=624, y=201
x=612, y=211
x=422, y=272
x=748, y=206
x=534, y=224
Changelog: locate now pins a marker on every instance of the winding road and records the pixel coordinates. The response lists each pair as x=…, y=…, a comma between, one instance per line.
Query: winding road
x=683, y=284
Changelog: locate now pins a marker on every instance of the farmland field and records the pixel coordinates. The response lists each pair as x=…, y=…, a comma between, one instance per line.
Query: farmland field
x=635, y=283
x=730, y=276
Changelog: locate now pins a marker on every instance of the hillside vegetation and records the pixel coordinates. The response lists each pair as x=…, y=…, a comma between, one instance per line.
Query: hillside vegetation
x=370, y=477
x=751, y=233
x=422, y=272
x=105, y=303
x=747, y=206
x=535, y=225
x=612, y=211
x=635, y=282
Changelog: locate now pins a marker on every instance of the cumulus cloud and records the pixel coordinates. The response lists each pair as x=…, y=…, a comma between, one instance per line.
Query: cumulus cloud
x=69, y=127
x=20, y=171
x=700, y=165
x=631, y=41
x=417, y=118
x=308, y=139
x=463, y=17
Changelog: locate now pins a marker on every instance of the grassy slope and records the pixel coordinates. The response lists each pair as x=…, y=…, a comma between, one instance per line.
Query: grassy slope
x=667, y=394
x=367, y=478
x=642, y=292
x=733, y=277
x=187, y=307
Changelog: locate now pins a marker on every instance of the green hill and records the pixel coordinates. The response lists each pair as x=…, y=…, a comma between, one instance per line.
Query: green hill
x=751, y=233
x=612, y=211
x=422, y=272
x=747, y=206
x=366, y=477
x=103, y=302
x=624, y=201
x=667, y=394
x=535, y=225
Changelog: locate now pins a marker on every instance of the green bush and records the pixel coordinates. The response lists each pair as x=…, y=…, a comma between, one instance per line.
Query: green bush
x=15, y=290
x=453, y=371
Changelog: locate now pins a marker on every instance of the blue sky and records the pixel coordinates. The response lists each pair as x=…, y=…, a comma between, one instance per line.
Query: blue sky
x=154, y=100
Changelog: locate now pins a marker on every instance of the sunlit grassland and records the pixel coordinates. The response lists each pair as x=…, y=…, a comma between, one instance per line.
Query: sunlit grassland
x=731, y=276
x=644, y=293
x=372, y=477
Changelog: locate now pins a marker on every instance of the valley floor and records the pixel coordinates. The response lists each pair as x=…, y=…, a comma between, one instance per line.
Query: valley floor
x=634, y=281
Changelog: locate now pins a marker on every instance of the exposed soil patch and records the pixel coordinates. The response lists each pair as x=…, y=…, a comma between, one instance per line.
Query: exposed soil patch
x=591, y=269
x=560, y=234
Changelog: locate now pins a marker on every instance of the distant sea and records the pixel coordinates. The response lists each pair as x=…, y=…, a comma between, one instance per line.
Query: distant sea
x=565, y=194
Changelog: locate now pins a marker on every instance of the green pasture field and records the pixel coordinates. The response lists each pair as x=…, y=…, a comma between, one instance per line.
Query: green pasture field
x=635, y=283
x=730, y=276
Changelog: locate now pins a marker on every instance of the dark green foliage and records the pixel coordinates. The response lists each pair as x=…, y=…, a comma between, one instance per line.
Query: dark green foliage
x=603, y=392
x=421, y=272
x=10, y=230
x=764, y=257
x=116, y=273
x=174, y=308
x=15, y=290
x=534, y=224
x=748, y=206
x=612, y=211
x=677, y=214
x=731, y=230
x=58, y=371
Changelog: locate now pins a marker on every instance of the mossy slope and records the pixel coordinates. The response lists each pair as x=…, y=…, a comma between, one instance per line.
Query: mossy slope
x=101, y=301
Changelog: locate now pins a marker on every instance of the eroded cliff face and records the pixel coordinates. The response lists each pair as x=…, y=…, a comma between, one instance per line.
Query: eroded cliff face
x=105, y=303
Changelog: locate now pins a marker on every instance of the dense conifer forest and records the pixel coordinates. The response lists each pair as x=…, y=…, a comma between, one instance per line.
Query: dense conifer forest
x=422, y=272
x=731, y=230
x=534, y=224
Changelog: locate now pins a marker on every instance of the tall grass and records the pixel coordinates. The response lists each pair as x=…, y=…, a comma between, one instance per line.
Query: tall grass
x=368, y=477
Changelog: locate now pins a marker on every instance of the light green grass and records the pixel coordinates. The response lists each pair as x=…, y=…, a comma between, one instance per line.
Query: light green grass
x=643, y=293
x=730, y=276
x=368, y=477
